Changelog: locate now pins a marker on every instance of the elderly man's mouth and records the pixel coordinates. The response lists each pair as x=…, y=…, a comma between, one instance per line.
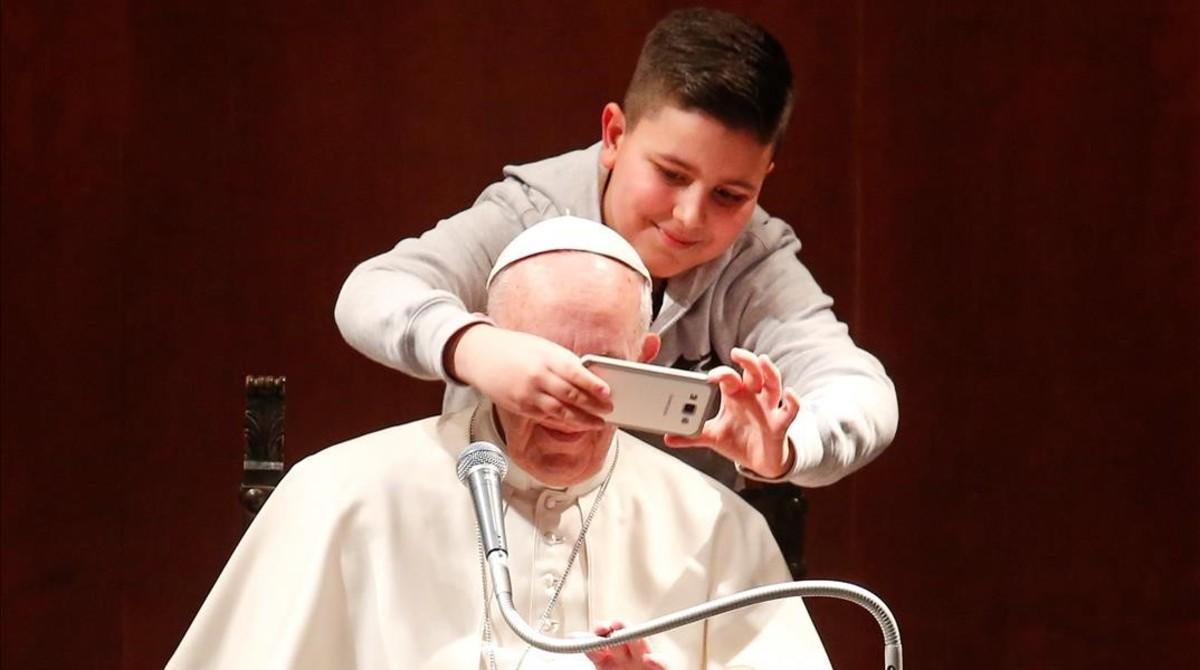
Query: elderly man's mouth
x=564, y=436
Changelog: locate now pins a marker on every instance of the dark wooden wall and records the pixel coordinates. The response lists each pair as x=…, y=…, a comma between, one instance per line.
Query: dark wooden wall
x=1001, y=196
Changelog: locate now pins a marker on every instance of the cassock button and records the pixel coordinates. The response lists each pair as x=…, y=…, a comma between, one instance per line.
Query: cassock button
x=549, y=626
x=551, y=538
x=551, y=503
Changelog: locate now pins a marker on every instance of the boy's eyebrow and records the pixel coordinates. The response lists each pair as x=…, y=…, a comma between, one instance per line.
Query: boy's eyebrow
x=671, y=158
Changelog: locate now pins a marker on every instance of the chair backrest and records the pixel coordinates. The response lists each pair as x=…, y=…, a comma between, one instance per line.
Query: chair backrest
x=262, y=460
x=785, y=508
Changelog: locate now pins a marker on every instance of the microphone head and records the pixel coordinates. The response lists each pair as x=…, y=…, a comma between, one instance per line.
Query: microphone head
x=481, y=454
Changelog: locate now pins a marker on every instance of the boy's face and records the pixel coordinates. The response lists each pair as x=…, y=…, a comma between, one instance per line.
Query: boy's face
x=682, y=186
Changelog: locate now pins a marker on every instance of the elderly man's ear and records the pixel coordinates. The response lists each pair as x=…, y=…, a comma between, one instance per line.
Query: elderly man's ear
x=650, y=345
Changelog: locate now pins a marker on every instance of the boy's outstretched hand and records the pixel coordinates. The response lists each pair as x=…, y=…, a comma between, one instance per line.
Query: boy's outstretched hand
x=530, y=376
x=629, y=656
x=755, y=414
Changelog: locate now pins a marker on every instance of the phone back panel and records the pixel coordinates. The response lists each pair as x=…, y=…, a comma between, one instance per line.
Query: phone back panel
x=656, y=399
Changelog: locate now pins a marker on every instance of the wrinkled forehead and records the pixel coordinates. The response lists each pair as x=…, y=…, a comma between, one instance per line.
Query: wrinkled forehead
x=562, y=291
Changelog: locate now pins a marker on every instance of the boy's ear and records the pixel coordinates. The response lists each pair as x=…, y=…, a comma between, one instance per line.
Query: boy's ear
x=650, y=346
x=612, y=129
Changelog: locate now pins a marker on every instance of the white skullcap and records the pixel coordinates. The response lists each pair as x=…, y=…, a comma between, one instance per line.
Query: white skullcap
x=569, y=233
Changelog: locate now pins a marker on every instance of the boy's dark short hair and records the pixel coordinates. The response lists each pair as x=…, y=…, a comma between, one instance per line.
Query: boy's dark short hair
x=717, y=63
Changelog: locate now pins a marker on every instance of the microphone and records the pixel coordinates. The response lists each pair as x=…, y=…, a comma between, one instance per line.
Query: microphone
x=480, y=468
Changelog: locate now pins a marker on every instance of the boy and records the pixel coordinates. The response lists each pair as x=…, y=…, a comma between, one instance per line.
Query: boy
x=677, y=173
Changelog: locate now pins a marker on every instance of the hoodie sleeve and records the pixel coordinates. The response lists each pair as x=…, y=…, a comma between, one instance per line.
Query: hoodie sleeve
x=402, y=307
x=848, y=410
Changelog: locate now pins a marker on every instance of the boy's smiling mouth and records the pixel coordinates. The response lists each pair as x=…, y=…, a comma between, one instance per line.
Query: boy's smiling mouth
x=675, y=240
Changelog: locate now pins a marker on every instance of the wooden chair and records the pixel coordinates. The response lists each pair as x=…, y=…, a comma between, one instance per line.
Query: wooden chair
x=262, y=460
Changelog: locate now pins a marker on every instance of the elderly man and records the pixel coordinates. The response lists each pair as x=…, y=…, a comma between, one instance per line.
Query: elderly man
x=367, y=555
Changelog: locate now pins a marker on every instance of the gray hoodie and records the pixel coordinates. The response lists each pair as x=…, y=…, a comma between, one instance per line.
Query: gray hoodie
x=402, y=307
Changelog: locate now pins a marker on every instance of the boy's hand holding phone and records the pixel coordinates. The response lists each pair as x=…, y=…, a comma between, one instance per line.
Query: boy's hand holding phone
x=755, y=414
x=537, y=378
x=530, y=376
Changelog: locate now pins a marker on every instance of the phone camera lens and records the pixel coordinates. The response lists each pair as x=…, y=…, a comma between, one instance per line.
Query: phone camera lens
x=689, y=408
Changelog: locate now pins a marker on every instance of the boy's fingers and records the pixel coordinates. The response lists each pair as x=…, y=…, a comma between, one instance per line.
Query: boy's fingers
x=743, y=357
x=790, y=406
x=752, y=377
x=751, y=374
x=725, y=377
x=577, y=375
x=721, y=372
x=679, y=441
x=554, y=413
x=772, y=384
x=576, y=396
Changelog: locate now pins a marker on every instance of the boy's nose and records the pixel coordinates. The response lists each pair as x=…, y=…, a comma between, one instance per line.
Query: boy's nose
x=689, y=208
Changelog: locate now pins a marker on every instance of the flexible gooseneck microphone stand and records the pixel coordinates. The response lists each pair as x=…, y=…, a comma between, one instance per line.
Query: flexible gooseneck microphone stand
x=502, y=587
x=481, y=467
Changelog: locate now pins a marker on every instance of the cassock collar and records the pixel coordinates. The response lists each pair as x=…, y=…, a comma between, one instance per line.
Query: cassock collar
x=483, y=427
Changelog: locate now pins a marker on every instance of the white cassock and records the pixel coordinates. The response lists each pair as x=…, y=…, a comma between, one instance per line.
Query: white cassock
x=366, y=556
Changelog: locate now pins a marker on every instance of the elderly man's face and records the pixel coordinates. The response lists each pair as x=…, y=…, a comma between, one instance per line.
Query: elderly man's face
x=588, y=304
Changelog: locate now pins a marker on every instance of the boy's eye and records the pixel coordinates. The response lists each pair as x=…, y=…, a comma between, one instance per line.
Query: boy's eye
x=729, y=197
x=671, y=176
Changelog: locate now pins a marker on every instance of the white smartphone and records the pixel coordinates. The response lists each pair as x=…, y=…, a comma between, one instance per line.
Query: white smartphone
x=656, y=399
